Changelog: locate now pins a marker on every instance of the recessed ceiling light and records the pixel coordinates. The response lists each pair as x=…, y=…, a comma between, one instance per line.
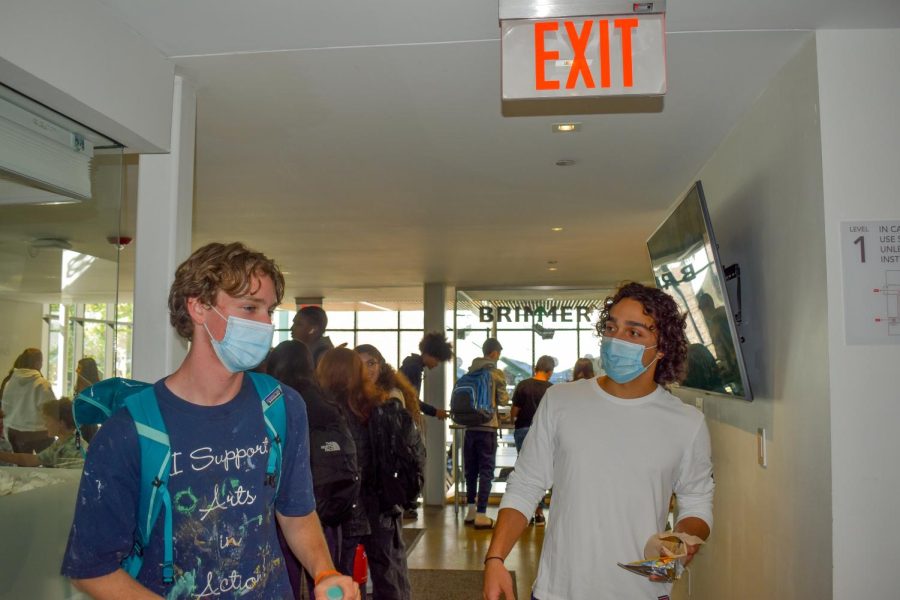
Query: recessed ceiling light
x=556, y=229
x=566, y=127
x=551, y=268
x=565, y=162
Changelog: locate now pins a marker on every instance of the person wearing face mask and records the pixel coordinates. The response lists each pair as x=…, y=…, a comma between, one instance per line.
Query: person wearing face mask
x=224, y=508
x=614, y=449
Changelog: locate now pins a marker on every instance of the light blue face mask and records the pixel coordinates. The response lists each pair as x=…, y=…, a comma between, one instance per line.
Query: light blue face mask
x=245, y=345
x=623, y=361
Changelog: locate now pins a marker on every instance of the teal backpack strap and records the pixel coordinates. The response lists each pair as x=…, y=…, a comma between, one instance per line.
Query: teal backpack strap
x=272, y=397
x=156, y=459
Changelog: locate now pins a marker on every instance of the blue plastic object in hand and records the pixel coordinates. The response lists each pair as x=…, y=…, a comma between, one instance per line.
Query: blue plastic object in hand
x=334, y=593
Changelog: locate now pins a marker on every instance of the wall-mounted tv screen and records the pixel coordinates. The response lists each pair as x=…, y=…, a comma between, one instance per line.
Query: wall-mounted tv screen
x=685, y=261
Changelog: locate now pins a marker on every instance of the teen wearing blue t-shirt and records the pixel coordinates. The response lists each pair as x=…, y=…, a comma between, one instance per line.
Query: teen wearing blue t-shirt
x=224, y=514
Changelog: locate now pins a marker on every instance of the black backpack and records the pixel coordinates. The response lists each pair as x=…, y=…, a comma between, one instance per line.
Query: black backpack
x=399, y=455
x=332, y=458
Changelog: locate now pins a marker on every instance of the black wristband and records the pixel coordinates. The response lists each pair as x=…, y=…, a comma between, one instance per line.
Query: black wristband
x=500, y=558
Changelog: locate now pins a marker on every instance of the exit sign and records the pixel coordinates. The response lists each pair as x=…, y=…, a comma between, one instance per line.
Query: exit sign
x=584, y=56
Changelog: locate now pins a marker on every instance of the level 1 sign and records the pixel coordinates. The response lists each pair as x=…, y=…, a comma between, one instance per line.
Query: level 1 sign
x=621, y=55
x=871, y=263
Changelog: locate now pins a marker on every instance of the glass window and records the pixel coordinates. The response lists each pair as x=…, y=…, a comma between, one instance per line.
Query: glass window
x=385, y=341
x=588, y=344
x=512, y=317
x=340, y=319
x=95, y=343
x=124, y=313
x=55, y=341
x=342, y=337
x=123, y=350
x=409, y=344
x=563, y=346
x=95, y=311
x=412, y=319
x=516, y=358
x=281, y=335
x=376, y=319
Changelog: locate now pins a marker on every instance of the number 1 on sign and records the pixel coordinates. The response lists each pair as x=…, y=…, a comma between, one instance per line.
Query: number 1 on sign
x=862, y=248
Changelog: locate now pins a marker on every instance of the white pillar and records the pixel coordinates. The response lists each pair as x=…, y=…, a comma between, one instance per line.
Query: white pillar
x=435, y=393
x=163, y=238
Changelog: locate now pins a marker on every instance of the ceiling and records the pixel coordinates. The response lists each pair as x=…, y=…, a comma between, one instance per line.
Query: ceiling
x=364, y=145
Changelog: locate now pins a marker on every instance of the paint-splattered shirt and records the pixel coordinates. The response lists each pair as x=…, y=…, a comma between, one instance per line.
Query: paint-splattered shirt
x=225, y=543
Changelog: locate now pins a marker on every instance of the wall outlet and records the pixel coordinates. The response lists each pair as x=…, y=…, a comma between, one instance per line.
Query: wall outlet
x=761, y=456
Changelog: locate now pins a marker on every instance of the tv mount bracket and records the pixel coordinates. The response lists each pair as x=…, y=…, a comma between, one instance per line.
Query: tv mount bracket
x=734, y=272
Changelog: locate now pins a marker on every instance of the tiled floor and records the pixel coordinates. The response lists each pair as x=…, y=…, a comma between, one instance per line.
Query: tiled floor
x=448, y=544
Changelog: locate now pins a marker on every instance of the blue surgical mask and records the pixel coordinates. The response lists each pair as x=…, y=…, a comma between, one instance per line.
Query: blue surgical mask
x=623, y=361
x=245, y=345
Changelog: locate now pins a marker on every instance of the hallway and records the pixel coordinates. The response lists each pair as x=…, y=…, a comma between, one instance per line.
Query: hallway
x=448, y=544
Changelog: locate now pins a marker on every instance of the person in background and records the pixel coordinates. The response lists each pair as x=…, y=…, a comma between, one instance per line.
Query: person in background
x=435, y=349
x=716, y=319
x=525, y=401
x=395, y=385
x=583, y=369
x=341, y=372
x=291, y=363
x=702, y=371
x=309, y=327
x=614, y=449
x=62, y=453
x=480, y=443
x=86, y=374
x=24, y=391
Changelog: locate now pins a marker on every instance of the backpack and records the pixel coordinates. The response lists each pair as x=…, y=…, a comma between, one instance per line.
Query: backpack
x=333, y=462
x=398, y=455
x=472, y=399
x=97, y=403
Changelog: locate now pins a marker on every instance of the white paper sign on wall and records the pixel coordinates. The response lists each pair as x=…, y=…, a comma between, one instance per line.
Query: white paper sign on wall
x=871, y=267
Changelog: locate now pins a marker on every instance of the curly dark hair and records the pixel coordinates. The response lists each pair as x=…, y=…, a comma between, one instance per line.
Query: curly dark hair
x=668, y=323
x=435, y=344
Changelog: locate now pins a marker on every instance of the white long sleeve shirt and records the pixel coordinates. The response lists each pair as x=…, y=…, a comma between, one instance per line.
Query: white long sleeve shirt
x=613, y=465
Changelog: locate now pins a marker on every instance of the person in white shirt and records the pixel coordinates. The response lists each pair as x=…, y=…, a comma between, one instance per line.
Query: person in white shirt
x=614, y=449
x=24, y=391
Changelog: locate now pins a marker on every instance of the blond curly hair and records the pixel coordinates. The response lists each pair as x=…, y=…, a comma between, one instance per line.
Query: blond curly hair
x=226, y=267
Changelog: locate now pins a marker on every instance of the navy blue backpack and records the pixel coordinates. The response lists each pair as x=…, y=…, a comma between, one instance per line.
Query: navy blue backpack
x=472, y=399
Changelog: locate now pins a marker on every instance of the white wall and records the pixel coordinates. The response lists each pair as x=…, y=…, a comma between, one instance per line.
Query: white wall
x=73, y=56
x=859, y=83
x=20, y=328
x=772, y=534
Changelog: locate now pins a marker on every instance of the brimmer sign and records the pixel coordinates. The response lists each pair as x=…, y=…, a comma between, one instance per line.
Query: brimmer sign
x=600, y=48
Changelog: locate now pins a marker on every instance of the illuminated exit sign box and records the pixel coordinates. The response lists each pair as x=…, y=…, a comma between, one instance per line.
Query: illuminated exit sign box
x=582, y=48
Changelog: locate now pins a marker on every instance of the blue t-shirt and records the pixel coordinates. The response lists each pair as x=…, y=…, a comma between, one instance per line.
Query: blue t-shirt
x=225, y=542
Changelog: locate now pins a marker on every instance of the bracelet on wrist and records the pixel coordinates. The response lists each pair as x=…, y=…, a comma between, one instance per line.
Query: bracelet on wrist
x=500, y=558
x=323, y=574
